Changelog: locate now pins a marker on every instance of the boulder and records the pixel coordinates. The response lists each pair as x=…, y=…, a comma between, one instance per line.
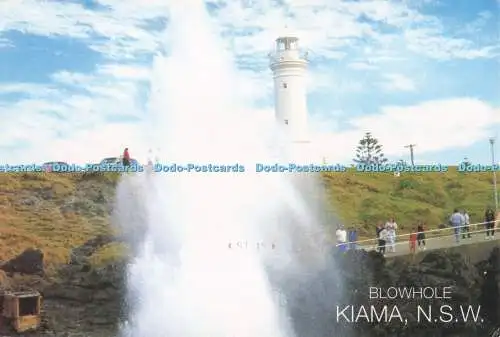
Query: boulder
x=28, y=262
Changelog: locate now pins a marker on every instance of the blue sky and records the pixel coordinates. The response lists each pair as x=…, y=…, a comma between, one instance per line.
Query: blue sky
x=75, y=74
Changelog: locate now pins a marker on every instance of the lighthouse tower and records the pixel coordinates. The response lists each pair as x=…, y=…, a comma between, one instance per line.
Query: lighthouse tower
x=289, y=65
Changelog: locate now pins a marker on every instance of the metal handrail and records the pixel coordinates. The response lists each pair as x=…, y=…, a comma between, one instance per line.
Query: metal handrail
x=374, y=247
x=427, y=231
x=426, y=239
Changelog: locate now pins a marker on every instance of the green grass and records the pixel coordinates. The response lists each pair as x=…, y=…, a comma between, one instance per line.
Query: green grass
x=360, y=199
x=364, y=199
x=34, y=212
x=108, y=254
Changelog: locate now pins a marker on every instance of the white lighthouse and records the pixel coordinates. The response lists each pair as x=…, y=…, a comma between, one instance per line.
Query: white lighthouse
x=289, y=65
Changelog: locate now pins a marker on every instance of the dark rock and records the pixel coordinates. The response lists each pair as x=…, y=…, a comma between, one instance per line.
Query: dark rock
x=99, y=285
x=490, y=297
x=28, y=262
x=312, y=296
x=346, y=281
x=69, y=292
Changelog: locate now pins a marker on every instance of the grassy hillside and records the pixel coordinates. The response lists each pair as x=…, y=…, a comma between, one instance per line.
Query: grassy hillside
x=53, y=212
x=56, y=212
x=366, y=198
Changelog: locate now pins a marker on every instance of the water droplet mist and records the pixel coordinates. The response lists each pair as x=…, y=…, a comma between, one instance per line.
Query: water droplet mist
x=184, y=279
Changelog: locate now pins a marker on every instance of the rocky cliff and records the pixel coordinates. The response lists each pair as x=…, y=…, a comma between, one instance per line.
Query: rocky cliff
x=83, y=298
x=318, y=305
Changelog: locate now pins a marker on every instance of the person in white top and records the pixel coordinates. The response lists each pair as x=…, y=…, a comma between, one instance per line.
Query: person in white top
x=466, y=228
x=391, y=226
x=341, y=235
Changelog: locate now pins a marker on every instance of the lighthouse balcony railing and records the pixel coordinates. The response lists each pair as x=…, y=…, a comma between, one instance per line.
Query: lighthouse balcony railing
x=289, y=55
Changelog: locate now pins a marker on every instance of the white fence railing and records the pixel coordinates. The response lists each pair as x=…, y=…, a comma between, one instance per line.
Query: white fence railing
x=364, y=244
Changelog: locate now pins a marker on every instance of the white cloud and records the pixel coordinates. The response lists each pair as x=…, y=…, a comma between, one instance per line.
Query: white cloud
x=362, y=66
x=325, y=26
x=4, y=43
x=433, y=126
x=429, y=42
x=65, y=123
x=126, y=72
x=86, y=146
x=70, y=78
x=75, y=109
x=30, y=89
x=447, y=123
x=121, y=24
x=398, y=82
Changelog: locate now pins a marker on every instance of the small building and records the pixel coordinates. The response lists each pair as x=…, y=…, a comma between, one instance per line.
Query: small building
x=20, y=310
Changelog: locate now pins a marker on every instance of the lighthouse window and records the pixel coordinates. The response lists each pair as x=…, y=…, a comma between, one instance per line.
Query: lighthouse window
x=285, y=85
x=286, y=121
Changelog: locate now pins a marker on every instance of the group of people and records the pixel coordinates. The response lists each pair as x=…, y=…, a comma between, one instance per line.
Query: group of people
x=346, y=239
x=126, y=161
x=417, y=237
x=386, y=237
x=460, y=221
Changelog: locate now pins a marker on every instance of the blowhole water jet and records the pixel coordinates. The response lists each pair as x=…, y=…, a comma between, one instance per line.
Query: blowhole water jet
x=183, y=279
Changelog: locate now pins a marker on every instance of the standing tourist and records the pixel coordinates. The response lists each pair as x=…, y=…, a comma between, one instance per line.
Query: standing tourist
x=413, y=241
x=489, y=219
x=382, y=238
x=391, y=226
x=421, y=236
x=353, y=238
x=457, y=221
x=341, y=235
x=126, y=158
x=466, y=227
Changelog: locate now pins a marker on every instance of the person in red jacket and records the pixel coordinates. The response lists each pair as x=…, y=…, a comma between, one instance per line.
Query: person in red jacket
x=413, y=241
x=126, y=158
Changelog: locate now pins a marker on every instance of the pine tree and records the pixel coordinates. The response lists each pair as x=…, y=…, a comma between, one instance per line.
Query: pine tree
x=369, y=151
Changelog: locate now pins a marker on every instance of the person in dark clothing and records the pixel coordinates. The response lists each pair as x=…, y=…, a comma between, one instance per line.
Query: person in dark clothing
x=382, y=237
x=126, y=158
x=353, y=238
x=421, y=236
x=489, y=219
